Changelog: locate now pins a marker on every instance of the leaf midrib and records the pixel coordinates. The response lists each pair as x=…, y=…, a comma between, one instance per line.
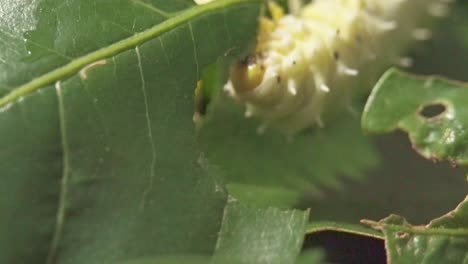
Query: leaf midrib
x=117, y=47
x=437, y=231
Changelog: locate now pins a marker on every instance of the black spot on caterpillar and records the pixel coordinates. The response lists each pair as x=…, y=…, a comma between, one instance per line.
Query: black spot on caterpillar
x=304, y=61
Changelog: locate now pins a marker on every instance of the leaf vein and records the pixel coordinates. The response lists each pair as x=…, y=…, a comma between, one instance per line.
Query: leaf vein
x=195, y=53
x=150, y=131
x=62, y=206
x=152, y=8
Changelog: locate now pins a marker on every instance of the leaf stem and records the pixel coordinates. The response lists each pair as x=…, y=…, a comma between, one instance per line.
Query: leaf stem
x=115, y=48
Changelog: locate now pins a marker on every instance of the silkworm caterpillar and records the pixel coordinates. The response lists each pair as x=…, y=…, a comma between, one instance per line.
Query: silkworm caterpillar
x=314, y=59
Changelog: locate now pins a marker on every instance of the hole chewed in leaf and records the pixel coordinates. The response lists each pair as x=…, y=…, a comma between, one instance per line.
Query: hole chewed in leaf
x=433, y=110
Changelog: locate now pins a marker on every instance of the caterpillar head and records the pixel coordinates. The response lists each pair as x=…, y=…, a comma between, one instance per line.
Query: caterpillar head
x=247, y=74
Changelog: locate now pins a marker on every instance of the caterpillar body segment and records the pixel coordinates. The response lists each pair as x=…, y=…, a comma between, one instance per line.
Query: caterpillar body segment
x=311, y=63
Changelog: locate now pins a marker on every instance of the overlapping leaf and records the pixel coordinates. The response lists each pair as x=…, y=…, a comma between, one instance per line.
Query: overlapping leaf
x=263, y=236
x=433, y=112
x=252, y=235
x=443, y=240
x=272, y=163
x=99, y=161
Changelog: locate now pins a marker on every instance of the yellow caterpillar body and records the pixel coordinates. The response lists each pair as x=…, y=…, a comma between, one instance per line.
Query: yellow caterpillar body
x=305, y=62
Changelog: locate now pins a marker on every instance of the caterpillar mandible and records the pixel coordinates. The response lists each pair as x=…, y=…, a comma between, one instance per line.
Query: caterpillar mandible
x=309, y=61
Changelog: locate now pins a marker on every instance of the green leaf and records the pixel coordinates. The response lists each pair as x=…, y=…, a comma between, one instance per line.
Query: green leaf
x=312, y=256
x=444, y=53
x=319, y=226
x=261, y=236
x=252, y=235
x=460, y=21
x=308, y=162
x=431, y=110
x=186, y=259
x=99, y=160
x=443, y=240
x=263, y=196
x=41, y=36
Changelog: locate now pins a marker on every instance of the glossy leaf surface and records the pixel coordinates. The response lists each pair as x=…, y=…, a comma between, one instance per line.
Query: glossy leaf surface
x=99, y=160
